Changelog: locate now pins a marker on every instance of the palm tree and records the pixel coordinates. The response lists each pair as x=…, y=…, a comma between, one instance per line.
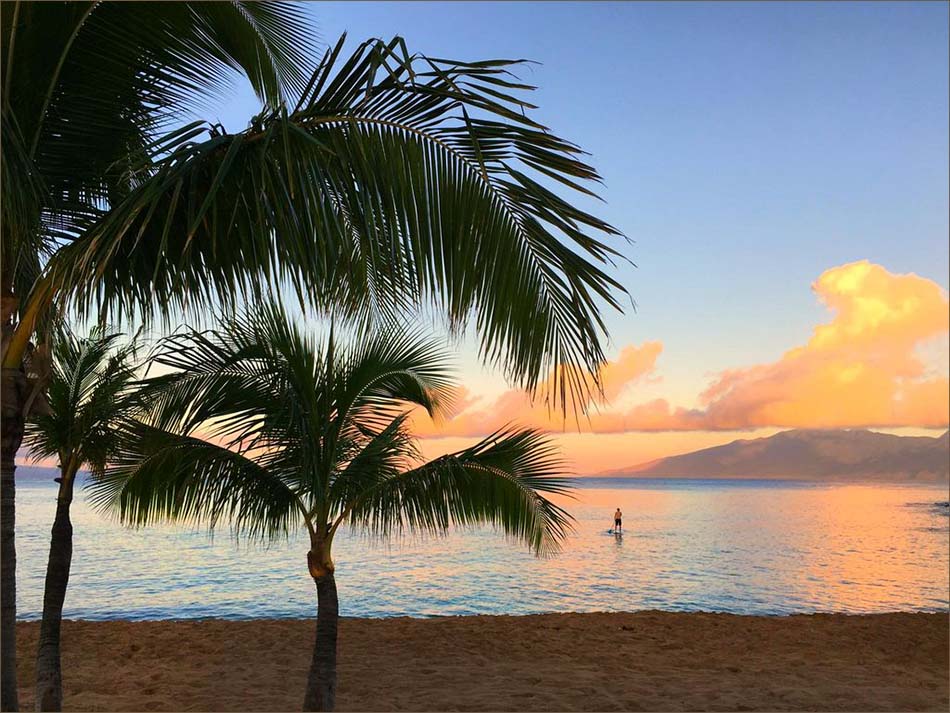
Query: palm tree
x=262, y=427
x=91, y=388
x=379, y=182
x=86, y=87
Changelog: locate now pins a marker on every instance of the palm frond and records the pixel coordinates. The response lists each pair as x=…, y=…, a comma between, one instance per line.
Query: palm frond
x=264, y=426
x=258, y=381
x=217, y=379
x=387, y=373
x=91, y=386
x=84, y=116
x=501, y=481
x=397, y=181
x=159, y=476
x=379, y=457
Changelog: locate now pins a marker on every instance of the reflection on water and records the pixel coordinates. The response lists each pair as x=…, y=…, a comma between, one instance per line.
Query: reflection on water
x=746, y=547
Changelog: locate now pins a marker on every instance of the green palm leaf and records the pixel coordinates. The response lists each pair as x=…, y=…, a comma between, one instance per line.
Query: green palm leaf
x=395, y=182
x=77, y=119
x=91, y=387
x=158, y=476
x=500, y=480
x=263, y=426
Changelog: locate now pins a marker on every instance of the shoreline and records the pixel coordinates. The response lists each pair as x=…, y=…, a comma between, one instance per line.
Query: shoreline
x=648, y=660
x=436, y=617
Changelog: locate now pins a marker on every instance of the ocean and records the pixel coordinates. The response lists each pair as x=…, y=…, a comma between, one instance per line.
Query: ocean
x=746, y=547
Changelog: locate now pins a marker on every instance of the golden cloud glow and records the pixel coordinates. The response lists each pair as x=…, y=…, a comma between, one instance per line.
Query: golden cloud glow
x=863, y=368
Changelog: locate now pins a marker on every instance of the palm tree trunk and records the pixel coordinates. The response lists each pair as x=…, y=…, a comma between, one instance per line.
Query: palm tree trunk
x=321, y=683
x=13, y=388
x=49, y=680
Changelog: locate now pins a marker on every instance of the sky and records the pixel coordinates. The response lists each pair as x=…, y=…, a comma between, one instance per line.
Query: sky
x=781, y=172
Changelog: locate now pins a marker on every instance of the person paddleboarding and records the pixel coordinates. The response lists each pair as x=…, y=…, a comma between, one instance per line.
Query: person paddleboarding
x=618, y=521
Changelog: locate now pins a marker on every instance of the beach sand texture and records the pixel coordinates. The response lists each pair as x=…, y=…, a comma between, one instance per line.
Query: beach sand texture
x=555, y=662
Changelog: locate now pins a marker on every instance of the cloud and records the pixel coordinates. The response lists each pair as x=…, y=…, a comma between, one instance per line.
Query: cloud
x=476, y=417
x=863, y=368
x=866, y=367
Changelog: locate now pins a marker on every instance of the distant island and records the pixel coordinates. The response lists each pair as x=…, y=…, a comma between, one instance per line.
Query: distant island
x=857, y=455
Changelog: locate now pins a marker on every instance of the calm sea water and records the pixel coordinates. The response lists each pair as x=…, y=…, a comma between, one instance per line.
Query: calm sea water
x=751, y=547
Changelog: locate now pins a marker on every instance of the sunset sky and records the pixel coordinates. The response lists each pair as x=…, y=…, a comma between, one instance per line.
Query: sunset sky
x=782, y=172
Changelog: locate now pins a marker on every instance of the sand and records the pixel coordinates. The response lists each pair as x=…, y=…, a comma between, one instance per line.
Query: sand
x=556, y=662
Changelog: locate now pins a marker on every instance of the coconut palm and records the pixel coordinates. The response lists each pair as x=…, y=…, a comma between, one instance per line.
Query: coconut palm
x=91, y=388
x=261, y=426
x=86, y=87
x=382, y=181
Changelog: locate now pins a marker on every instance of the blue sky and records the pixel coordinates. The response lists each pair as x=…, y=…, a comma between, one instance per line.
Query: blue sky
x=745, y=147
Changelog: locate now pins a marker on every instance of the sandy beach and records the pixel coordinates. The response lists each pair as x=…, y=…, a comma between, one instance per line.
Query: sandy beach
x=592, y=662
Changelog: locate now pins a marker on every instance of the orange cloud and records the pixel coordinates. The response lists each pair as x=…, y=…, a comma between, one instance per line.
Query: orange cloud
x=474, y=417
x=864, y=368
x=861, y=369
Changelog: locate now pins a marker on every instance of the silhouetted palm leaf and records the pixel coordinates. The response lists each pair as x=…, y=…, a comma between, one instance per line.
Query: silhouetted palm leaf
x=395, y=181
x=91, y=388
x=87, y=86
x=264, y=427
x=500, y=480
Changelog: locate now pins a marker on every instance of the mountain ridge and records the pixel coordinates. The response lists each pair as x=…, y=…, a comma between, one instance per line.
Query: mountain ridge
x=809, y=454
